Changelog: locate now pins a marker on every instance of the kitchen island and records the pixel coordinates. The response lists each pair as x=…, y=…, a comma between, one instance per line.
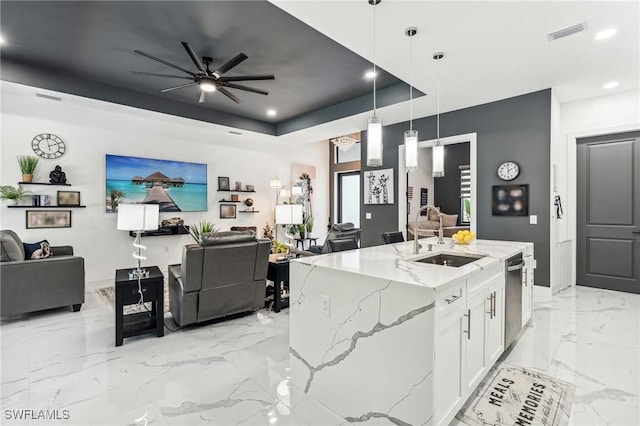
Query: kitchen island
x=380, y=338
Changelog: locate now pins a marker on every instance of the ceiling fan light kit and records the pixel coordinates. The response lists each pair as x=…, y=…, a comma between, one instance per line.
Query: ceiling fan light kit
x=374, y=124
x=207, y=80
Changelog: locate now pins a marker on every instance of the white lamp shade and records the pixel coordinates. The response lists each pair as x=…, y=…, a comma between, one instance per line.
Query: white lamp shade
x=275, y=183
x=289, y=214
x=296, y=190
x=411, y=150
x=138, y=217
x=438, y=161
x=374, y=142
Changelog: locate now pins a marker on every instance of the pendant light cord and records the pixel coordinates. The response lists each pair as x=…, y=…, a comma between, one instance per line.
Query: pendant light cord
x=438, y=95
x=375, y=74
x=411, y=83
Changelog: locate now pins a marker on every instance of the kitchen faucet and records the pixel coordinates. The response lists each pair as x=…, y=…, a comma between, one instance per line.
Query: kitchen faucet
x=416, y=245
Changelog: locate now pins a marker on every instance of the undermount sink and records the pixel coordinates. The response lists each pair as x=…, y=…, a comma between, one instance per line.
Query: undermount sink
x=447, y=259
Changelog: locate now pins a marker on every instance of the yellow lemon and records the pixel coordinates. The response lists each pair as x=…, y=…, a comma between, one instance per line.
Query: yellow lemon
x=458, y=237
x=473, y=234
x=468, y=238
x=465, y=232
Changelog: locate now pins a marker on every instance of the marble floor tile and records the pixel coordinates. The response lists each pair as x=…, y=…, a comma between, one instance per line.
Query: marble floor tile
x=236, y=371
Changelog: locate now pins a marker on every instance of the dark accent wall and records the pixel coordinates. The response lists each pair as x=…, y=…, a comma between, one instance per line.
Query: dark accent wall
x=446, y=190
x=516, y=129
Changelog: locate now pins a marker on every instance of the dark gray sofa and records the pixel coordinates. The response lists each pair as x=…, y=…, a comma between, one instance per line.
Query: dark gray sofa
x=38, y=284
x=223, y=275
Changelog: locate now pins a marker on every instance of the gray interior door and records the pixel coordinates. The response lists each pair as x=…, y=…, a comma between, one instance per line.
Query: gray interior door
x=608, y=231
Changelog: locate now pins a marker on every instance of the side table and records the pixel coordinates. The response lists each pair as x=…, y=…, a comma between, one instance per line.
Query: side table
x=127, y=294
x=278, y=272
x=301, y=241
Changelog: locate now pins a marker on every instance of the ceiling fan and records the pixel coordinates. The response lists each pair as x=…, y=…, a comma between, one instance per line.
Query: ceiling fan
x=205, y=79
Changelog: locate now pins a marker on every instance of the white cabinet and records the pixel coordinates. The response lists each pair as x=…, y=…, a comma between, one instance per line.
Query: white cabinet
x=448, y=362
x=473, y=329
x=527, y=289
x=494, y=320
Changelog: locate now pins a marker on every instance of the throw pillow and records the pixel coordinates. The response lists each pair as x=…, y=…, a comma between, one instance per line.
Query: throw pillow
x=11, y=247
x=449, y=220
x=39, y=250
x=433, y=216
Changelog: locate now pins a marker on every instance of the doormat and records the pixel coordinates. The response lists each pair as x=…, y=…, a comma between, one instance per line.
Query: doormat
x=512, y=395
x=108, y=294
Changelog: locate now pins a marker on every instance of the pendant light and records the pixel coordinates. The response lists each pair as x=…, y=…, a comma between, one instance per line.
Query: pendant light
x=411, y=136
x=438, y=148
x=374, y=124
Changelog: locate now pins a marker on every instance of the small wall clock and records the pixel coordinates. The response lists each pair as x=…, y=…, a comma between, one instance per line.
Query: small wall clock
x=509, y=170
x=48, y=146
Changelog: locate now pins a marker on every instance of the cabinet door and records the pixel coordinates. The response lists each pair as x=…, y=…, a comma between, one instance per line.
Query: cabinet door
x=527, y=290
x=448, y=366
x=495, y=322
x=473, y=328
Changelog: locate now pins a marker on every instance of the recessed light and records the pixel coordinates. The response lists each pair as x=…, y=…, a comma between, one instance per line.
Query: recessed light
x=370, y=74
x=606, y=33
x=1, y=40
x=611, y=85
x=271, y=112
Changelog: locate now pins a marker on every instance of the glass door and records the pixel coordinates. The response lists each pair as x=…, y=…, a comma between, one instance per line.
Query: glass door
x=349, y=198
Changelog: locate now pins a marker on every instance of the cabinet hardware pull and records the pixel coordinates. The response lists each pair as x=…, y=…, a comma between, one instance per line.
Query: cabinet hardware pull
x=453, y=298
x=490, y=312
x=524, y=271
x=494, y=304
x=468, y=315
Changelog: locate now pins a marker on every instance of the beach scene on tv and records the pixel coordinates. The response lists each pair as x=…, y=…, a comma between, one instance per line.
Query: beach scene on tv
x=174, y=185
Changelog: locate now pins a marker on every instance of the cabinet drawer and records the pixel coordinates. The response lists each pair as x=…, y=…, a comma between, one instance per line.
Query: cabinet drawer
x=481, y=280
x=450, y=298
x=131, y=296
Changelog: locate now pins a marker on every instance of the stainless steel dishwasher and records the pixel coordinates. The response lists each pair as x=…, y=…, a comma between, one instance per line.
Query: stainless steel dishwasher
x=513, y=300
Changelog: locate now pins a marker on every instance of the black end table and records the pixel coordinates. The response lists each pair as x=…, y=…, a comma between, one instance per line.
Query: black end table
x=278, y=272
x=127, y=294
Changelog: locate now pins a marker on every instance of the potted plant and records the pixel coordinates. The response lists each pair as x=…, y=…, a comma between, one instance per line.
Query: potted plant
x=203, y=227
x=27, y=165
x=8, y=192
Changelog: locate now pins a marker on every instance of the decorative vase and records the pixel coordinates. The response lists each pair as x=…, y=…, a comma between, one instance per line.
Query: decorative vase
x=27, y=178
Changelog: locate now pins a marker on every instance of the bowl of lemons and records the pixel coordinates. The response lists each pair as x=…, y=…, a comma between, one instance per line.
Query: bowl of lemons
x=463, y=237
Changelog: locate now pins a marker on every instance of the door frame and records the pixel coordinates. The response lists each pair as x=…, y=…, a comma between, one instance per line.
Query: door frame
x=339, y=191
x=402, y=176
x=572, y=181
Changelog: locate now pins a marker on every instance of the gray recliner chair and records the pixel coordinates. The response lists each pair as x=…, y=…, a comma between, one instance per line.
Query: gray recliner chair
x=38, y=284
x=337, y=231
x=224, y=275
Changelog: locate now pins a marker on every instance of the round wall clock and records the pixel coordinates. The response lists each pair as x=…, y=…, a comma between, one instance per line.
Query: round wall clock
x=49, y=146
x=509, y=170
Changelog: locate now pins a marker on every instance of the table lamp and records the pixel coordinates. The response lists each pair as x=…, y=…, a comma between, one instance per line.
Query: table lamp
x=138, y=218
x=288, y=214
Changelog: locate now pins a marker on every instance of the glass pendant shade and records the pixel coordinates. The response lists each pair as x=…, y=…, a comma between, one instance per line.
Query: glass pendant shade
x=411, y=150
x=438, y=161
x=374, y=142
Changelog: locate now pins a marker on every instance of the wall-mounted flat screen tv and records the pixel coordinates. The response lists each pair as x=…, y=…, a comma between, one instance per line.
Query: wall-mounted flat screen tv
x=176, y=186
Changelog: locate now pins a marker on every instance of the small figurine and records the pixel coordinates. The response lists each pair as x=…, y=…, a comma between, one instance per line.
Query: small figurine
x=57, y=175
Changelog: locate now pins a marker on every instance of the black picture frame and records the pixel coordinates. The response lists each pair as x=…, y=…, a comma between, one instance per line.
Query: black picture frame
x=227, y=211
x=223, y=183
x=249, y=188
x=510, y=200
x=36, y=219
x=68, y=198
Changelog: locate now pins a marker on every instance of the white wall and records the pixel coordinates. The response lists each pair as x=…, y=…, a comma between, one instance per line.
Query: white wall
x=92, y=129
x=603, y=115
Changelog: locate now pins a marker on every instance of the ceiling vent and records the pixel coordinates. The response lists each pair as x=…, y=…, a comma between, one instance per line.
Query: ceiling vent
x=53, y=98
x=565, y=32
x=234, y=132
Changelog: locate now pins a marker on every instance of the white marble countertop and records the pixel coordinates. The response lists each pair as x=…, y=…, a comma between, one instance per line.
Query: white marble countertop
x=394, y=261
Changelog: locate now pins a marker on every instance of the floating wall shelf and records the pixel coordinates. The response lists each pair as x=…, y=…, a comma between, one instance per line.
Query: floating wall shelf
x=44, y=183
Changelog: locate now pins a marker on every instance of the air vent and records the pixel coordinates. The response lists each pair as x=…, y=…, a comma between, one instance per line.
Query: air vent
x=565, y=32
x=52, y=98
x=233, y=132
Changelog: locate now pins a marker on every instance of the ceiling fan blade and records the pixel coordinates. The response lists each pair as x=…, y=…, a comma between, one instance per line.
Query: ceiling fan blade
x=247, y=77
x=228, y=95
x=176, y=87
x=246, y=88
x=240, y=57
x=159, y=75
x=194, y=56
x=203, y=97
x=164, y=62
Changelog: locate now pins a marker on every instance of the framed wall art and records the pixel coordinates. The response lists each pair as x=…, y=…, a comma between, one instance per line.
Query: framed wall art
x=510, y=200
x=48, y=219
x=227, y=211
x=68, y=198
x=223, y=183
x=378, y=186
